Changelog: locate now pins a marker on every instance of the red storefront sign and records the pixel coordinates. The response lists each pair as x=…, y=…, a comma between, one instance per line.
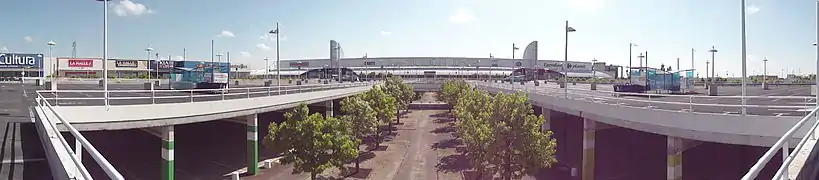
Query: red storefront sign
x=80, y=63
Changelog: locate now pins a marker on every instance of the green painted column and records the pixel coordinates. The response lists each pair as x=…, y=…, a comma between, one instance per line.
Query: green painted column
x=252, y=144
x=167, y=152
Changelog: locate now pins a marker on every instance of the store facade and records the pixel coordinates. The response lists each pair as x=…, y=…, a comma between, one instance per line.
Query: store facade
x=92, y=68
x=21, y=65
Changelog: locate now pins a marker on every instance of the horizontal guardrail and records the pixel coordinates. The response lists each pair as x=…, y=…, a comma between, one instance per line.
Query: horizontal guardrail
x=80, y=143
x=650, y=99
x=782, y=144
x=156, y=96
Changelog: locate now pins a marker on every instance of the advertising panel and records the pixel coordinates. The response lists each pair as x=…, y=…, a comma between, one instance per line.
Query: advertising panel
x=81, y=63
x=299, y=64
x=580, y=67
x=154, y=64
x=127, y=63
x=18, y=60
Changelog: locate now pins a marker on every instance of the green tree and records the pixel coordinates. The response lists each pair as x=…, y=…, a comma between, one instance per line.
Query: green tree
x=312, y=143
x=362, y=117
x=519, y=147
x=451, y=91
x=384, y=106
x=402, y=92
x=474, y=128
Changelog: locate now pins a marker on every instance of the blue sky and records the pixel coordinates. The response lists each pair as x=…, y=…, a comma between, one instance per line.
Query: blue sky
x=782, y=31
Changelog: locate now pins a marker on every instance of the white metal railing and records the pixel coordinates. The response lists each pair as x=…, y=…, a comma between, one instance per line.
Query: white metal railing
x=782, y=144
x=655, y=99
x=80, y=143
x=189, y=95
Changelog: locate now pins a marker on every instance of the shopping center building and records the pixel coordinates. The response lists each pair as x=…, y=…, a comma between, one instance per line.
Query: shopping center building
x=125, y=68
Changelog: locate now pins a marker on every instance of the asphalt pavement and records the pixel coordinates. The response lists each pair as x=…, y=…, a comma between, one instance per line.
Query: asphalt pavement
x=799, y=105
x=21, y=152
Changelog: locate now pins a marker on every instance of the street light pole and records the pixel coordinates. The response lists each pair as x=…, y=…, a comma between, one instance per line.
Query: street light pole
x=707, y=78
x=148, y=51
x=765, y=73
x=53, y=61
x=566, y=60
x=267, y=69
x=744, y=60
x=630, y=45
x=713, y=62
x=105, y=51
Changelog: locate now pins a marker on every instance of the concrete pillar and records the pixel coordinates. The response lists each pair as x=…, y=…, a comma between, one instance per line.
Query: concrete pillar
x=167, y=152
x=589, y=128
x=547, y=119
x=674, y=156
x=328, y=105
x=252, y=144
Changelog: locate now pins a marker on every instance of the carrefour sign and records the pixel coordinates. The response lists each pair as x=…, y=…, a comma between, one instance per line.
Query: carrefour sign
x=15, y=60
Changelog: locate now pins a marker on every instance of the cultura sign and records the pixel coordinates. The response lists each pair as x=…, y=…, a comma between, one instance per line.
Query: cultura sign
x=20, y=60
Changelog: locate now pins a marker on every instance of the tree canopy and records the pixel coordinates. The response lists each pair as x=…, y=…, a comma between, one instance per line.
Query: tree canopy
x=501, y=133
x=312, y=143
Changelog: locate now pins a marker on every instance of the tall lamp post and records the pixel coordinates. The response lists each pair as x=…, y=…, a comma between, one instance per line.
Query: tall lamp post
x=713, y=61
x=765, y=73
x=148, y=51
x=707, y=78
x=514, y=49
x=568, y=29
x=278, y=67
x=267, y=69
x=105, y=52
x=744, y=63
x=630, y=45
x=53, y=63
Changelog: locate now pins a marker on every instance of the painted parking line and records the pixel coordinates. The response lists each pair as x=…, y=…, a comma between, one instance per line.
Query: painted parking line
x=729, y=112
x=781, y=114
x=777, y=99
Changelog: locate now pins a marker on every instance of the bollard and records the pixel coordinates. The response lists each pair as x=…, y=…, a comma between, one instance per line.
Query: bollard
x=593, y=86
x=235, y=83
x=157, y=83
x=298, y=82
x=234, y=175
x=101, y=83
x=268, y=164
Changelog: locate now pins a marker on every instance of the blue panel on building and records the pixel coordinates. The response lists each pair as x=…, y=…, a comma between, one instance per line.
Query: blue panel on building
x=20, y=60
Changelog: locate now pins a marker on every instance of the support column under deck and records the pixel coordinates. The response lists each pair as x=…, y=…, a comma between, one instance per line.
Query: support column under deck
x=675, y=148
x=167, y=134
x=547, y=119
x=252, y=144
x=328, y=108
x=589, y=128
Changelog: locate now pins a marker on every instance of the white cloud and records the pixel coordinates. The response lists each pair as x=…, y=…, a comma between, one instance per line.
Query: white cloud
x=586, y=5
x=244, y=54
x=225, y=33
x=263, y=47
x=462, y=16
x=129, y=8
x=386, y=33
x=28, y=38
x=4, y=49
x=752, y=9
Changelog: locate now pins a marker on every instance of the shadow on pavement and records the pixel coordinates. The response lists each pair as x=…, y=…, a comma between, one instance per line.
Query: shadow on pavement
x=447, y=143
x=452, y=163
x=444, y=129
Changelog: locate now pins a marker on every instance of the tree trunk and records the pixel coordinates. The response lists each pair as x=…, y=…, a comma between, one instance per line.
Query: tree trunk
x=397, y=116
x=313, y=175
x=358, y=162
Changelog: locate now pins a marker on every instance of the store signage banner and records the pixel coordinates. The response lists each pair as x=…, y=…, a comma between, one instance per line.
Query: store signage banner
x=127, y=63
x=80, y=63
x=15, y=60
x=161, y=64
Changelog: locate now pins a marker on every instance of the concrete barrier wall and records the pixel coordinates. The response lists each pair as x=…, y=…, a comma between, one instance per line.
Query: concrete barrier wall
x=88, y=118
x=730, y=129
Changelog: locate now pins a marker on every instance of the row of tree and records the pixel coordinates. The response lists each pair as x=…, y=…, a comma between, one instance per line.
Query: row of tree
x=314, y=143
x=503, y=137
